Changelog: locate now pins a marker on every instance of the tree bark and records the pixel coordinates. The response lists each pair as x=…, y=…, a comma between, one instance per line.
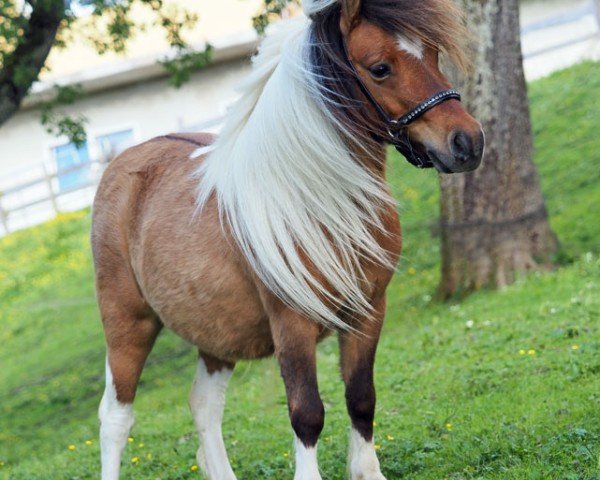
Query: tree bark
x=22, y=67
x=494, y=222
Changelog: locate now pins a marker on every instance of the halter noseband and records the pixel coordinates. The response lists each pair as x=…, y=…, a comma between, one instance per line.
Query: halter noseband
x=397, y=128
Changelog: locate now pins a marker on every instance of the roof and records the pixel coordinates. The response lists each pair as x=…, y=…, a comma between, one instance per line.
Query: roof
x=226, y=25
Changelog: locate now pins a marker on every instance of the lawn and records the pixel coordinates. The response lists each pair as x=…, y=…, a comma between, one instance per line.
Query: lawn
x=504, y=385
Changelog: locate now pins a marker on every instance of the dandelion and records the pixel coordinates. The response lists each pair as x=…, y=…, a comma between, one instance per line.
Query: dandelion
x=390, y=438
x=1, y=464
x=449, y=427
x=522, y=352
x=135, y=460
x=412, y=271
x=194, y=468
x=71, y=448
x=141, y=445
x=574, y=347
x=149, y=456
x=286, y=455
x=377, y=446
x=88, y=442
x=531, y=352
x=130, y=440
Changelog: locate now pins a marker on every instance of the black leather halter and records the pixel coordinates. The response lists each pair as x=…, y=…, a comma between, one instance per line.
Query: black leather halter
x=397, y=128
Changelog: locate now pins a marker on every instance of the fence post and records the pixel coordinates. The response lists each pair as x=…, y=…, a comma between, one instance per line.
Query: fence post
x=3, y=217
x=48, y=177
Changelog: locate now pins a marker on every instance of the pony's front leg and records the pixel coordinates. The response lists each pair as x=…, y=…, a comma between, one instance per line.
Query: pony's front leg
x=207, y=402
x=295, y=340
x=357, y=355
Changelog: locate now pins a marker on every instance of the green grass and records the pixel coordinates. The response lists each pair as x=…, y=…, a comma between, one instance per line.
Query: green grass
x=515, y=373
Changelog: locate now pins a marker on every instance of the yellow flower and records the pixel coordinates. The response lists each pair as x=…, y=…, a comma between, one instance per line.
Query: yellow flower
x=130, y=439
x=194, y=468
x=149, y=456
x=71, y=447
x=449, y=427
x=531, y=352
x=88, y=442
x=574, y=347
x=286, y=455
x=522, y=352
x=412, y=271
x=377, y=446
x=135, y=460
x=141, y=445
x=1, y=464
x=389, y=437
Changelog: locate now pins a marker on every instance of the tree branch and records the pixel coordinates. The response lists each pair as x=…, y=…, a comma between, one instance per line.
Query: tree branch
x=22, y=66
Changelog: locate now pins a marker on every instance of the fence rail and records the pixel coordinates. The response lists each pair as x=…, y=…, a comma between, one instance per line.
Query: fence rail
x=49, y=183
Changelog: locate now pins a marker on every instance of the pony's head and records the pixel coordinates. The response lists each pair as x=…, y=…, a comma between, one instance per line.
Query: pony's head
x=385, y=53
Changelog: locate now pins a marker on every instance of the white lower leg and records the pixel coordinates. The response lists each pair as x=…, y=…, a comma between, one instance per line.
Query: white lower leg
x=207, y=402
x=116, y=420
x=362, y=460
x=307, y=467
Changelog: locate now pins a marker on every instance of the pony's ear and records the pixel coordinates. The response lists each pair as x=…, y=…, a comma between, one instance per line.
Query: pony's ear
x=350, y=13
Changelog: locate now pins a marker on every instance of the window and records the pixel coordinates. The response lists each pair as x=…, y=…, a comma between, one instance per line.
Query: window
x=68, y=157
x=114, y=143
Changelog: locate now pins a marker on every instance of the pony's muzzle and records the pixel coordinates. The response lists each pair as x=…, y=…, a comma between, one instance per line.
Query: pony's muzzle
x=466, y=151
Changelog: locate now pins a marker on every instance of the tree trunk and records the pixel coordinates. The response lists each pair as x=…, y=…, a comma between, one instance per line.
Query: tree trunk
x=493, y=221
x=22, y=67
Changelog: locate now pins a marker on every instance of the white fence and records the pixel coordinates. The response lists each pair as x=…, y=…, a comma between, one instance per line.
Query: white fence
x=34, y=195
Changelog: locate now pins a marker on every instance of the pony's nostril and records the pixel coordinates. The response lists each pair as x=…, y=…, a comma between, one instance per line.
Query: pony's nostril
x=461, y=145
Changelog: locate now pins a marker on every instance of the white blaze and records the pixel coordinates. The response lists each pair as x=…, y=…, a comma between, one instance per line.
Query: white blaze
x=411, y=45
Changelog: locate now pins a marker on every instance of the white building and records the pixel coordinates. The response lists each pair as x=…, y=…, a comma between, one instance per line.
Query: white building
x=129, y=99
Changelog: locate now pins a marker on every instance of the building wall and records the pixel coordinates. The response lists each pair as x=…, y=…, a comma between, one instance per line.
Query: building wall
x=148, y=108
x=151, y=108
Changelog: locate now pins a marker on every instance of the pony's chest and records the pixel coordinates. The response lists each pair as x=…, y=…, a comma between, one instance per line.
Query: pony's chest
x=390, y=240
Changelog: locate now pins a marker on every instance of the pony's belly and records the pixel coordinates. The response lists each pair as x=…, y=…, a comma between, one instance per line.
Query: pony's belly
x=220, y=313
x=227, y=337
x=208, y=300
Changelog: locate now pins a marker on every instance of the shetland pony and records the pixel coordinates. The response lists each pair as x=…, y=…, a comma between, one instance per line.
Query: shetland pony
x=282, y=230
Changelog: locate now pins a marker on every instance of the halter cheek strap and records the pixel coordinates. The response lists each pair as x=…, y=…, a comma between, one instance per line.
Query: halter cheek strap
x=397, y=128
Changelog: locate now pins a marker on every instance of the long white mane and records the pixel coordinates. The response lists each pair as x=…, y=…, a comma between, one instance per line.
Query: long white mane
x=291, y=189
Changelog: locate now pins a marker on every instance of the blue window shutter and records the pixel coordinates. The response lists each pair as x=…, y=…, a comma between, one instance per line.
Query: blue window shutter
x=68, y=156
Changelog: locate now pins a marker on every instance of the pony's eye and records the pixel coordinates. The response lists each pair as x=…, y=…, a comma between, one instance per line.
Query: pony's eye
x=380, y=71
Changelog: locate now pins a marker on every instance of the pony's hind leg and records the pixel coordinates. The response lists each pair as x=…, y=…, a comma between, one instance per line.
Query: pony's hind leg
x=207, y=402
x=357, y=355
x=129, y=341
